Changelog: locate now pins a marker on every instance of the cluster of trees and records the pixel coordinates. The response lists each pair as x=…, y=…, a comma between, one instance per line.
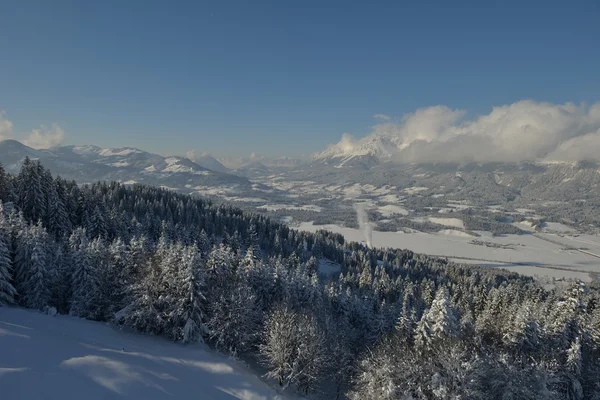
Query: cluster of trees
x=392, y=325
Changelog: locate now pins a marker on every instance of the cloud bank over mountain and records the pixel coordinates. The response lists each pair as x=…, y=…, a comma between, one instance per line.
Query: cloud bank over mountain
x=6, y=127
x=43, y=137
x=525, y=130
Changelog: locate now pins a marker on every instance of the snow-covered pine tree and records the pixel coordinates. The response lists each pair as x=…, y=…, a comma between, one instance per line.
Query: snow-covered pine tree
x=235, y=319
x=31, y=195
x=58, y=222
x=120, y=258
x=96, y=224
x=189, y=314
x=141, y=314
x=7, y=291
x=4, y=185
x=523, y=334
x=219, y=270
x=61, y=279
x=85, y=276
x=108, y=295
x=574, y=390
x=438, y=324
x=34, y=289
x=294, y=348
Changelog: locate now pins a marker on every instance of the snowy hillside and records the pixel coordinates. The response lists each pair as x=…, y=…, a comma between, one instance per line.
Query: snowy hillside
x=86, y=164
x=44, y=357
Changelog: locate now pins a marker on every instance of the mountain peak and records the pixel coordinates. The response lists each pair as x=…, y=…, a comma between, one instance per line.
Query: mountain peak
x=379, y=146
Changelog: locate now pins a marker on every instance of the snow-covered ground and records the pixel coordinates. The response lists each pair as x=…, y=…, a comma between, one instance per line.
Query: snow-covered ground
x=44, y=357
x=327, y=267
x=414, y=189
x=454, y=222
x=391, y=209
x=542, y=254
x=275, y=207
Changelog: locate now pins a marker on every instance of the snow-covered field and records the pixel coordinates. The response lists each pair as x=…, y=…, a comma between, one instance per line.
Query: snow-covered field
x=414, y=189
x=454, y=222
x=275, y=207
x=542, y=254
x=44, y=357
x=390, y=209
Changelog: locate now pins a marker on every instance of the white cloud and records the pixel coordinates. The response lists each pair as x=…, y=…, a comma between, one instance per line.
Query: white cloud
x=525, y=130
x=41, y=138
x=44, y=137
x=382, y=117
x=347, y=143
x=194, y=155
x=586, y=147
x=5, y=127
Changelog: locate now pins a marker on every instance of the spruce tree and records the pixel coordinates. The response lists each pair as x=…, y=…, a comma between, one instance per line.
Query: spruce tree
x=35, y=274
x=438, y=324
x=7, y=291
x=190, y=309
x=85, y=276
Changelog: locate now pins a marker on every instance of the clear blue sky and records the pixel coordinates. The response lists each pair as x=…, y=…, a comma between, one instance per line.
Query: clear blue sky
x=281, y=77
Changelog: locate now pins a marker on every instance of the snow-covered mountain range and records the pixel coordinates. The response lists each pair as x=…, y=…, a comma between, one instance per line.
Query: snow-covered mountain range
x=365, y=161
x=127, y=164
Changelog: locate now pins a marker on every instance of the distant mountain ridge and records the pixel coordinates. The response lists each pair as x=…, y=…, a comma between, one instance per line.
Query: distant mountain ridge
x=91, y=163
x=491, y=182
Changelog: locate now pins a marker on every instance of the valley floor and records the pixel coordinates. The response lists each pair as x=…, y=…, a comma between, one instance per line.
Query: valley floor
x=540, y=254
x=61, y=357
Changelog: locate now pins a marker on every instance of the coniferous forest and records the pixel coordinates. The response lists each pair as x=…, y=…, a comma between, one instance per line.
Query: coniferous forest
x=392, y=325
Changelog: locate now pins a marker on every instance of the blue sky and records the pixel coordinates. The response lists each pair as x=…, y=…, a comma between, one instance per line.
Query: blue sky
x=280, y=77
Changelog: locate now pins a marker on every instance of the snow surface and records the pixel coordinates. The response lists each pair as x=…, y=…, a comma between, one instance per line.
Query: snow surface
x=524, y=225
x=275, y=207
x=454, y=232
x=454, y=222
x=328, y=267
x=118, y=152
x=45, y=357
x=245, y=199
x=557, y=227
x=414, y=189
x=390, y=209
x=119, y=164
x=541, y=252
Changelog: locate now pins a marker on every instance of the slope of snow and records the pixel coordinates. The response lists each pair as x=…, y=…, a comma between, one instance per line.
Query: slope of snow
x=119, y=164
x=87, y=149
x=118, y=152
x=207, y=161
x=44, y=357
